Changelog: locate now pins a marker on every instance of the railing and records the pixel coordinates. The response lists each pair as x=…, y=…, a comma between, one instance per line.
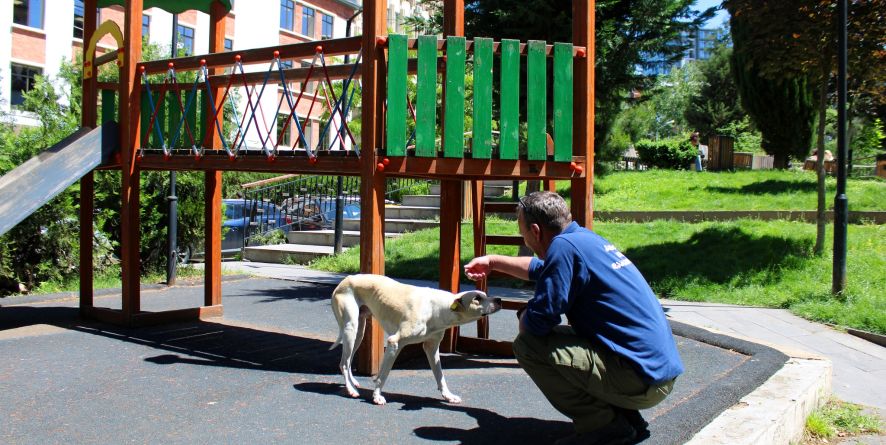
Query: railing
x=187, y=108
x=309, y=203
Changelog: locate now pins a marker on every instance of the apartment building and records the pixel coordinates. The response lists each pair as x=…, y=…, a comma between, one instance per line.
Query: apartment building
x=43, y=33
x=698, y=44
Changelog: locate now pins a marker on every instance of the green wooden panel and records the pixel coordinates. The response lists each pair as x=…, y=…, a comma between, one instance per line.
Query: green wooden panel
x=109, y=107
x=563, y=105
x=396, y=118
x=191, y=118
x=536, y=100
x=145, y=119
x=156, y=141
x=509, y=147
x=426, y=100
x=482, y=131
x=205, y=116
x=454, y=120
x=173, y=114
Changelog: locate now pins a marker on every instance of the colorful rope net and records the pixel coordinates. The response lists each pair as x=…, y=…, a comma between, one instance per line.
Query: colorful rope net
x=242, y=106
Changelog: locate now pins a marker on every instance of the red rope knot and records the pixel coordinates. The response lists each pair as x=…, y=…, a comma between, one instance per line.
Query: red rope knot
x=318, y=49
x=237, y=58
x=276, y=54
x=580, y=53
x=232, y=157
x=166, y=156
x=312, y=160
x=202, y=62
x=170, y=65
x=385, y=161
x=380, y=166
x=381, y=41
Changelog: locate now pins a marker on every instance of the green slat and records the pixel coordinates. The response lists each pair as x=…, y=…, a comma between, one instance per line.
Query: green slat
x=192, y=120
x=145, y=121
x=396, y=118
x=563, y=102
x=108, y=106
x=536, y=100
x=160, y=120
x=482, y=132
x=205, y=116
x=510, y=99
x=173, y=114
x=454, y=121
x=426, y=100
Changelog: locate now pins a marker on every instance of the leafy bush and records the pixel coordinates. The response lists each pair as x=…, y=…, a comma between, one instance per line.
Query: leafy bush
x=666, y=153
x=869, y=141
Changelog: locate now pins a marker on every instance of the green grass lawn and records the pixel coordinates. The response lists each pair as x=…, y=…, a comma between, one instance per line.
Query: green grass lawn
x=742, y=190
x=746, y=262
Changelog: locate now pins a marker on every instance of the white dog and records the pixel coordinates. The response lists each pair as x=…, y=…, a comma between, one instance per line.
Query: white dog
x=408, y=314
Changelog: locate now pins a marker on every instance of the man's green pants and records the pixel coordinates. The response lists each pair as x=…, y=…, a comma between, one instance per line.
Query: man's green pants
x=583, y=380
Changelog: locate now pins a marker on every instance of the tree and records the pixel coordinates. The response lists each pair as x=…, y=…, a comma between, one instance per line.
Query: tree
x=716, y=104
x=797, y=40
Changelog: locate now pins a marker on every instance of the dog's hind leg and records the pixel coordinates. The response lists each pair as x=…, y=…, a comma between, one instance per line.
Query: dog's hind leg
x=392, y=349
x=358, y=340
x=432, y=350
x=350, y=328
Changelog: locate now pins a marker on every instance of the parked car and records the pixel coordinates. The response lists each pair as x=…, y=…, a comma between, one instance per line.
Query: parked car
x=317, y=213
x=248, y=217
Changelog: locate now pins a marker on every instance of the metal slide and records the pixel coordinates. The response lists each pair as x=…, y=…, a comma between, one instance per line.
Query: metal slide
x=32, y=184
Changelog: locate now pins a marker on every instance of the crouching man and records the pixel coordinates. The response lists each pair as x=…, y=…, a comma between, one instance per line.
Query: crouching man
x=617, y=355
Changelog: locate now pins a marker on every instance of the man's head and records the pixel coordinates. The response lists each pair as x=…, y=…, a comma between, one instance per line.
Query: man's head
x=694, y=138
x=541, y=216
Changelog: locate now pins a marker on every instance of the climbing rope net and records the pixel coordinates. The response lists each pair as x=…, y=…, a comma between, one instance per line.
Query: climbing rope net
x=173, y=128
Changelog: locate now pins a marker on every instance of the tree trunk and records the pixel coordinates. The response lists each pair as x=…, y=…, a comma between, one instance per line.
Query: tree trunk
x=780, y=160
x=820, y=215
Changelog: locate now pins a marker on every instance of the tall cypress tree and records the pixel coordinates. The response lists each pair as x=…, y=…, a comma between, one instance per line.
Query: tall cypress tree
x=782, y=109
x=716, y=104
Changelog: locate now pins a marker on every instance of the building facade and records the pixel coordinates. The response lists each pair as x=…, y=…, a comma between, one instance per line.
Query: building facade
x=698, y=43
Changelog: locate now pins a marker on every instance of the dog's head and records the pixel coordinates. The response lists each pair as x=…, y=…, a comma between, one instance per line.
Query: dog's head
x=472, y=305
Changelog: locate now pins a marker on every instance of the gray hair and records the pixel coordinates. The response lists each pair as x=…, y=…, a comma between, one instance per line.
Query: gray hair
x=547, y=209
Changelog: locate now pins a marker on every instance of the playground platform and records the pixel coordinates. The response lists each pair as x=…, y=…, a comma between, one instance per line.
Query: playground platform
x=263, y=374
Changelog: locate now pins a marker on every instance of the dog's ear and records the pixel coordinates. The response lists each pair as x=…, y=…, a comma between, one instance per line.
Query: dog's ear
x=464, y=299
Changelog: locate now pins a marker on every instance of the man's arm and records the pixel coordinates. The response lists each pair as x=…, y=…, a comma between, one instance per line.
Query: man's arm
x=479, y=268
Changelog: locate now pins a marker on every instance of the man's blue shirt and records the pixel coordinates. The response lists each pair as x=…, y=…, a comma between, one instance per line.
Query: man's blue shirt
x=605, y=299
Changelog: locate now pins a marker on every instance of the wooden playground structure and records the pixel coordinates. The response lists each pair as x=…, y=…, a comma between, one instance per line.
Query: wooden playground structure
x=385, y=64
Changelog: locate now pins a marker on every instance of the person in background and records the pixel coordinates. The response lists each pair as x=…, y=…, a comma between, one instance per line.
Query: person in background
x=617, y=355
x=702, y=151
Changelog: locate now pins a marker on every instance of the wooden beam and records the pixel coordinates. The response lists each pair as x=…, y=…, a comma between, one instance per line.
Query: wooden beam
x=306, y=50
x=212, y=193
x=451, y=192
x=485, y=346
x=583, y=25
x=577, y=51
x=129, y=140
x=372, y=185
x=176, y=316
x=88, y=117
x=464, y=168
x=478, y=216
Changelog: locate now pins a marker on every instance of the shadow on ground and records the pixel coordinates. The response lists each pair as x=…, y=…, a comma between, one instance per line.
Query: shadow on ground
x=701, y=256
x=767, y=187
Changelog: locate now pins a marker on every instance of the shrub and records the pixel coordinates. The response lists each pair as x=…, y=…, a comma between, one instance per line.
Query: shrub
x=666, y=153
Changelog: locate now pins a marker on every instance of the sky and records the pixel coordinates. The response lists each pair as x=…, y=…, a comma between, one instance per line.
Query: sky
x=718, y=20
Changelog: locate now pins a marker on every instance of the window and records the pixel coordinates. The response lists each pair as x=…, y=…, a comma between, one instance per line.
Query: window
x=28, y=13
x=307, y=87
x=78, y=19
x=287, y=12
x=287, y=64
x=281, y=121
x=146, y=27
x=23, y=80
x=229, y=45
x=326, y=29
x=186, y=39
x=307, y=21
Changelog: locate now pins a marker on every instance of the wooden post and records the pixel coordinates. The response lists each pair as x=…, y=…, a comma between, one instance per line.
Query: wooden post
x=451, y=193
x=583, y=25
x=129, y=140
x=212, y=193
x=87, y=183
x=372, y=185
x=479, y=219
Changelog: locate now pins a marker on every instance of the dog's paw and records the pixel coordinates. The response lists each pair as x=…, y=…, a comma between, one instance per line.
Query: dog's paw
x=377, y=398
x=353, y=393
x=451, y=398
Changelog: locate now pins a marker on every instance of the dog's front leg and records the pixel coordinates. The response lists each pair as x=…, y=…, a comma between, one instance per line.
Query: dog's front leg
x=432, y=350
x=391, y=351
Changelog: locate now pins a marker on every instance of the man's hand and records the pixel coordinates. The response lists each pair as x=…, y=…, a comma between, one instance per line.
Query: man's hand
x=478, y=268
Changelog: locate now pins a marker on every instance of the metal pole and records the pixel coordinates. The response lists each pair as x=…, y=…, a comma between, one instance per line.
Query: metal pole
x=339, y=199
x=172, y=225
x=841, y=204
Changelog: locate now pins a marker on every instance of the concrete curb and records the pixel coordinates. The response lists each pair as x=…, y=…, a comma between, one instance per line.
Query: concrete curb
x=776, y=412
